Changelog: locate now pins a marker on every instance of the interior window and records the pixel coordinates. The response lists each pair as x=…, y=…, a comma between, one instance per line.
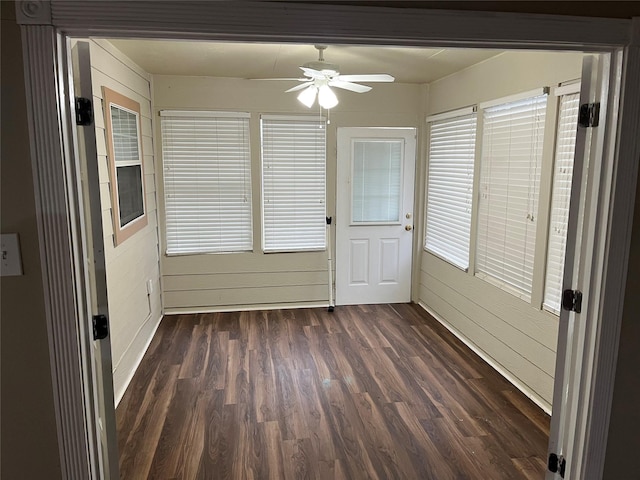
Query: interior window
x=512, y=141
x=207, y=181
x=452, y=143
x=562, y=176
x=122, y=123
x=293, y=183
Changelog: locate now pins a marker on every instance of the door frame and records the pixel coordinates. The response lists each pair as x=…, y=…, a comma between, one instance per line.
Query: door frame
x=46, y=26
x=350, y=133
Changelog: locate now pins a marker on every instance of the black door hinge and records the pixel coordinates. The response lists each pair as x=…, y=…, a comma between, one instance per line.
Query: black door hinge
x=84, y=111
x=100, y=327
x=589, y=115
x=572, y=300
x=557, y=464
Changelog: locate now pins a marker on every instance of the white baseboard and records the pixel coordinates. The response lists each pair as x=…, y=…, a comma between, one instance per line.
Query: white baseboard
x=495, y=365
x=132, y=358
x=244, y=308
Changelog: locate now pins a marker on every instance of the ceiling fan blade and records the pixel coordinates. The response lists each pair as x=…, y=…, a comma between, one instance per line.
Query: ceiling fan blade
x=299, y=87
x=374, y=77
x=305, y=79
x=354, y=87
x=310, y=72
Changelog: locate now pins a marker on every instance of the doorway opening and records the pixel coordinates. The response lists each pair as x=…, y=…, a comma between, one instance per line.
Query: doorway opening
x=357, y=142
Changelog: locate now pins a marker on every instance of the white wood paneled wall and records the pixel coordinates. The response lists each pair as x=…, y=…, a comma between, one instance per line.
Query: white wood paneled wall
x=516, y=336
x=134, y=314
x=209, y=282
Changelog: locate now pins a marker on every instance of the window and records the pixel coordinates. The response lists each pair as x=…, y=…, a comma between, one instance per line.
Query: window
x=124, y=148
x=377, y=181
x=512, y=140
x=563, y=173
x=293, y=183
x=207, y=181
x=452, y=143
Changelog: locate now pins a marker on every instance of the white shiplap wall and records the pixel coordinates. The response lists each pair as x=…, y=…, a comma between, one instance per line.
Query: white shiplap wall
x=193, y=283
x=134, y=314
x=517, y=337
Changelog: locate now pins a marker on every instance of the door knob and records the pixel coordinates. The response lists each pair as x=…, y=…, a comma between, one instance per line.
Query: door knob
x=408, y=228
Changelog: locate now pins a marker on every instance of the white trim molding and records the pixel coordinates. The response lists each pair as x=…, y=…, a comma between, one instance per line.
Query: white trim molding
x=515, y=97
x=56, y=247
x=618, y=239
x=33, y=12
x=311, y=23
x=452, y=114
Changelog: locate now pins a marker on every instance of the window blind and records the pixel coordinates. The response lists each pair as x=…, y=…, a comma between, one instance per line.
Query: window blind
x=293, y=183
x=207, y=182
x=124, y=127
x=512, y=141
x=128, y=164
x=452, y=144
x=562, y=175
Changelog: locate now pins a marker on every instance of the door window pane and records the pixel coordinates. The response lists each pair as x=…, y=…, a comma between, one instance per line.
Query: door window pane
x=376, y=177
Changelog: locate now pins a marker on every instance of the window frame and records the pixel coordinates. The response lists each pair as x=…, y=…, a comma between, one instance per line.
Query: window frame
x=503, y=282
x=453, y=115
x=291, y=249
x=364, y=223
x=173, y=114
x=112, y=98
x=562, y=92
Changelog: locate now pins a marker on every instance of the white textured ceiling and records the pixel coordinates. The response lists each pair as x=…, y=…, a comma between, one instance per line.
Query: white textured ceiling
x=259, y=60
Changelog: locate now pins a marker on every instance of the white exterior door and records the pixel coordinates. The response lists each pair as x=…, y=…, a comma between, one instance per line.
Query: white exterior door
x=374, y=215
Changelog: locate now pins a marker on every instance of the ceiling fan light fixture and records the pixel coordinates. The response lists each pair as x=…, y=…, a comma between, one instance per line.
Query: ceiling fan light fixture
x=308, y=96
x=326, y=98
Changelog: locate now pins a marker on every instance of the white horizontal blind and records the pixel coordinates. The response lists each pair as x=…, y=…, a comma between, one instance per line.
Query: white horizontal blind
x=512, y=140
x=124, y=128
x=452, y=144
x=207, y=182
x=128, y=164
x=562, y=175
x=293, y=183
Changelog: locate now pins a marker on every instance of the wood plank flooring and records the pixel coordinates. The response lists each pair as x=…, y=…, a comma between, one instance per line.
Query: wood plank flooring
x=380, y=392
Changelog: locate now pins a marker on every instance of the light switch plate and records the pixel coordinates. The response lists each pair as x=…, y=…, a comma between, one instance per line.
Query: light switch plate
x=10, y=258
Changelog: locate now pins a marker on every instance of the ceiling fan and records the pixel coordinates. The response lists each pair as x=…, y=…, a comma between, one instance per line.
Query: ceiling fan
x=320, y=76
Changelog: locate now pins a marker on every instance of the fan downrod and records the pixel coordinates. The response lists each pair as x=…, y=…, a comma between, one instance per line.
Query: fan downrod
x=321, y=49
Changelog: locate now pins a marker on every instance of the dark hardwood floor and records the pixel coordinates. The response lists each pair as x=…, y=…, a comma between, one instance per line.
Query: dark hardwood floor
x=381, y=392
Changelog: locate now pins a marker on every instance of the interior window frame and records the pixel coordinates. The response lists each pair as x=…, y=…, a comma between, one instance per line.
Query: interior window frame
x=112, y=98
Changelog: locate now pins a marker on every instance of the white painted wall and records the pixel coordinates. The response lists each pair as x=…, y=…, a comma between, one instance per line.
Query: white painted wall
x=517, y=337
x=252, y=280
x=134, y=314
